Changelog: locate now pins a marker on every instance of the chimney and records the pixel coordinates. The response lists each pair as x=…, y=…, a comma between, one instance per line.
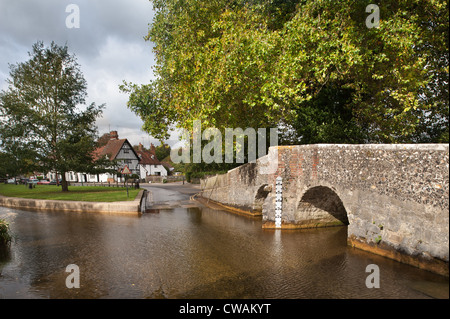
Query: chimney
x=152, y=148
x=140, y=147
x=113, y=135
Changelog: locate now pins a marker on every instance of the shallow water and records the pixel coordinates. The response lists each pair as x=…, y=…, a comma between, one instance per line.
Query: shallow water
x=193, y=253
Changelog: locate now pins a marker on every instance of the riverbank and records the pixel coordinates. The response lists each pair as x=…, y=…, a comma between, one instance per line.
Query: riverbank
x=86, y=193
x=119, y=207
x=129, y=208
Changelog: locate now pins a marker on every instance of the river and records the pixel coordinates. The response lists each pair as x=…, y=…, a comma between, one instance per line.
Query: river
x=185, y=251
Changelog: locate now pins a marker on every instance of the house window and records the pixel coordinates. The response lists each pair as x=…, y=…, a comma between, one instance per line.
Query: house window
x=126, y=148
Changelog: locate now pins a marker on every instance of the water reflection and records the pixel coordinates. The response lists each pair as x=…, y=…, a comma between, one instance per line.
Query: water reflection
x=5, y=256
x=193, y=253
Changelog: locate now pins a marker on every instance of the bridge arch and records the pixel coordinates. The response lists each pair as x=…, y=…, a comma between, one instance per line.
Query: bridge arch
x=260, y=196
x=321, y=206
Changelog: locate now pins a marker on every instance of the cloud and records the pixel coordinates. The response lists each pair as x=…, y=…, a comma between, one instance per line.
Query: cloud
x=109, y=47
x=117, y=60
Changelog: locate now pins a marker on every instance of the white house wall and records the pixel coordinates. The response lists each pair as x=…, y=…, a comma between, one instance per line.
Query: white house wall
x=86, y=178
x=148, y=170
x=155, y=169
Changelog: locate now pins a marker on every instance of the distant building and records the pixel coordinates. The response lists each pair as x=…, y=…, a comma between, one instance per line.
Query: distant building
x=121, y=151
x=116, y=149
x=168, y=166
x=141, y=162
x=149, y=163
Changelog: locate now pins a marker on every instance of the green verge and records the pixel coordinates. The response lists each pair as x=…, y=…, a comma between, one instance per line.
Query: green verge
x=75, y=193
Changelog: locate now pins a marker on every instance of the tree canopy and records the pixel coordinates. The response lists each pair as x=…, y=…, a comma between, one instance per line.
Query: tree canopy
x=311, y=67
x=44, y=122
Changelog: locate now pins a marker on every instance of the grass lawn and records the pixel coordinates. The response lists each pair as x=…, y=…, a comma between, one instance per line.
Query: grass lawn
x=76, y=193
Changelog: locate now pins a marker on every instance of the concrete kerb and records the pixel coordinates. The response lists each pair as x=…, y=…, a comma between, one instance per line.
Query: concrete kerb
x=130, y=208
x=220, y=206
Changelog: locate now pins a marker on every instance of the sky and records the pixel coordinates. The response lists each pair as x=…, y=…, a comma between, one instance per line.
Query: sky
x=108, y=43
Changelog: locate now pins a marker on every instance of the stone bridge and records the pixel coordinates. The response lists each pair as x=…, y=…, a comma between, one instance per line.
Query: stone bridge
x=394, y=199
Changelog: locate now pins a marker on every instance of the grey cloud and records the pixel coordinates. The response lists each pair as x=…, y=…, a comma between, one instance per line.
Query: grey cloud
x=109, y=47
x=25, y=22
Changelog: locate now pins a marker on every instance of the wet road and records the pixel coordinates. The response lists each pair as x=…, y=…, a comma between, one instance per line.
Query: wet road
x=185, y=251
x=172, y=195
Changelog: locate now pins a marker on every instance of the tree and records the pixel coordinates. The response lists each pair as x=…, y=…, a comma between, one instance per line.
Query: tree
x=44, y=121
x=326, y=118
x=434, y=121
x=388, y=70
x=313, y=67
x=12, y=165
x=162, y=151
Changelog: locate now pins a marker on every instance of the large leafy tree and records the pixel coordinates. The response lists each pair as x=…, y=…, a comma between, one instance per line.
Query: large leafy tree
x=44, y=122
x=390, y=72
x=311, y=67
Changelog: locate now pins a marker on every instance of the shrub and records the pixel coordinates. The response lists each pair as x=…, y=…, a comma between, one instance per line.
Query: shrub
x=5, y=236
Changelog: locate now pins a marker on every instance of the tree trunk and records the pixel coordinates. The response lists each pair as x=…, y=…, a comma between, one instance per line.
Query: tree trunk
x=64, y=183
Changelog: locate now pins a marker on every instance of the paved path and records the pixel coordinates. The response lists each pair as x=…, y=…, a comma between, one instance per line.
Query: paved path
x=170, y=195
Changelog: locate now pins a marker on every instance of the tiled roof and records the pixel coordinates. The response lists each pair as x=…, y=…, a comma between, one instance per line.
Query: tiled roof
x=147, y=158
x=111, y=149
